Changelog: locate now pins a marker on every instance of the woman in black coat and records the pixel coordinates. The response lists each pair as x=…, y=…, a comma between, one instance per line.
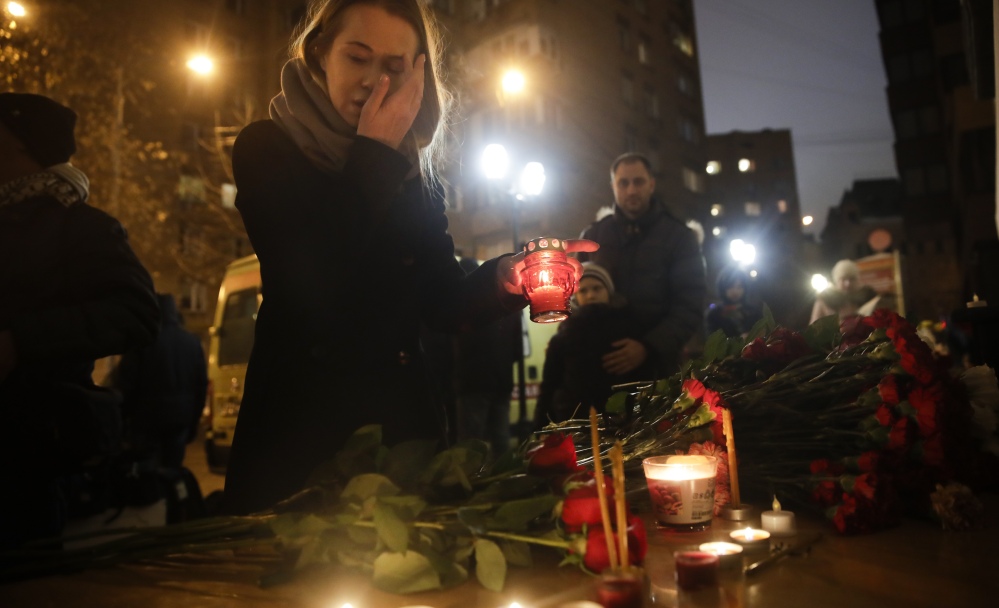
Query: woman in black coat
x=353, y=248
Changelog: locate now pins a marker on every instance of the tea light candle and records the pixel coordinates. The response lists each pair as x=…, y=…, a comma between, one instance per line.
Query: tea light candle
x=778, y=522
x=696, y=569
x=728, y=553
x=751, y=538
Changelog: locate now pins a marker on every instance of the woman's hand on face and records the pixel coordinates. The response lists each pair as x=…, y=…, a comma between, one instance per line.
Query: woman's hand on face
x=509, y=267
x=387, y=118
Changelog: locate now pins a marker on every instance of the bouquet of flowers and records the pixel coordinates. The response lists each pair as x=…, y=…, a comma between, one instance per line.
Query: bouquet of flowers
x=859, y=421
x=411, y=518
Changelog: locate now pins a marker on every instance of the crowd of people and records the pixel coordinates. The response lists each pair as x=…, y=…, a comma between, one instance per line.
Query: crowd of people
x=347, y=161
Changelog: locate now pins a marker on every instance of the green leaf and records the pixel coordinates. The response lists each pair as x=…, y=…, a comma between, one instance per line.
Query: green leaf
x=517, y=553
x=407, y=507
x=391, y=529
x=314, y=552
x=616, y=403
x=367, y=485
x=702, y=416
x=406, y=461
x=823, y=335
x=490, y=565
x=511, y=460
x=715, y=348
x=454, y=467
x=408, y=572
x=362, y=535
x=361, y=452
x=474, y=519
x=517, y=514
x=510, y=488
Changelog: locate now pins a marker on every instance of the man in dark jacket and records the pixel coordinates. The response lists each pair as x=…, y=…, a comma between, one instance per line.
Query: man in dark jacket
x=656, y=265
x=163, y=386
x=71, y=291
x=483, y=375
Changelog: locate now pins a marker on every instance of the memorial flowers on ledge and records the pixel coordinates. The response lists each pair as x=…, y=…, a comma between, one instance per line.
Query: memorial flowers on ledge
x=411, y=518
x=854, y=420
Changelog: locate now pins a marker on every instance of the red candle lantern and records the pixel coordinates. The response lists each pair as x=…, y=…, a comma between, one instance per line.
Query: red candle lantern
x=549, y=280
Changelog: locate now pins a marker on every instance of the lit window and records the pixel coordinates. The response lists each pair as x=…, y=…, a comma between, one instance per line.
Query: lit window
x=681, y=39
x=746, y=165
x=717, y=210
x=782, y=206
x=753, y=209
x=713, y=168
x=693, y=180
x=644, y=50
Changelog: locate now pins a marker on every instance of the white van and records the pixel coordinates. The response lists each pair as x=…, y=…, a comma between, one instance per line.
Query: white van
x=228, y=353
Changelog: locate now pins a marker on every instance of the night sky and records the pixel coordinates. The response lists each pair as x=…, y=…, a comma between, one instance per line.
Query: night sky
x=812, y=66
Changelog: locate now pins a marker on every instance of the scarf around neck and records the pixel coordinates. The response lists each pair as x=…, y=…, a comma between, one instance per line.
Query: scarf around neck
x=63, y=182
x=303, y=110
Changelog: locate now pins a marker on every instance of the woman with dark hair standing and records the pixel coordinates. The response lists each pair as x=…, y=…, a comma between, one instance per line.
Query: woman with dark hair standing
x=353, y=247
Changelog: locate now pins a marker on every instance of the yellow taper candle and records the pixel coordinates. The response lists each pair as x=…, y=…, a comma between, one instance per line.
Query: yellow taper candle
x=733, y=462
x=598, y=474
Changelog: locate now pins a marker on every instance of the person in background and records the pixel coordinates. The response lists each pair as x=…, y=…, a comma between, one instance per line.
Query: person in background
x=733, y=314
x=339, y=196
x=574, y=376
x=656, y=264
x=483, y=377
x=71, y=291
x=846, y=297
x=163, y=386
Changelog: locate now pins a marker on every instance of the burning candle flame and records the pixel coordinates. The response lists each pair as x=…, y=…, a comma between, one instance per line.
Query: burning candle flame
x=775, y=504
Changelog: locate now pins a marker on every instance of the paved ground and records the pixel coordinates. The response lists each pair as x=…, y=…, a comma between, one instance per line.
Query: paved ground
x=196, y=460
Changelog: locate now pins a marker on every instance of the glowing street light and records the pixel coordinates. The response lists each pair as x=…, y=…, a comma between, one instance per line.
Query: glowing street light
x=819, y=283
x=742, y=252
x=513, y=82
x=201, y=64
x=16, y=9
x=532, y=179
x=807, y=220
x=495, y=162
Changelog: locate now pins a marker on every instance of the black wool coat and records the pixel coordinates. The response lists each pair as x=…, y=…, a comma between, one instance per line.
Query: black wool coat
x=657, y=267
x=350, y=264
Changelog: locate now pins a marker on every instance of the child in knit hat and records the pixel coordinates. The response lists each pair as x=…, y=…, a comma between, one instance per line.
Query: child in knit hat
x=574, y=377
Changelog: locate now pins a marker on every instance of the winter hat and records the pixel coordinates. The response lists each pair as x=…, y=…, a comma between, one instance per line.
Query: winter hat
x=595, y=271
x=42, y=125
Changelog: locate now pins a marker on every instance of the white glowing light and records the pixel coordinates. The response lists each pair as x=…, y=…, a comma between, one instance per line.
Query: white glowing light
x=495, y=161
x=807, y=220
x=513, y=81
x=532, y=179
x=201, y=64
x=16, y=9
x=819, y=283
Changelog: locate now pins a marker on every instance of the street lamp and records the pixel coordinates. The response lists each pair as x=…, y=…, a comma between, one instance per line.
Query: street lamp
x=807, y=220
x=742, y=252
x=201, y=64
x=513, y=82
x=16, y=9
x=819, y=283
x=495, y=166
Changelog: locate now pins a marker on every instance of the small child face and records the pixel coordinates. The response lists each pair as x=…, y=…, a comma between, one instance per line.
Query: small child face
x=735, y=292
x=592, y=291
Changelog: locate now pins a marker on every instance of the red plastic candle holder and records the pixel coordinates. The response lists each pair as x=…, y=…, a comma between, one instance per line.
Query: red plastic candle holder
x=549, y=280
x=696, y=569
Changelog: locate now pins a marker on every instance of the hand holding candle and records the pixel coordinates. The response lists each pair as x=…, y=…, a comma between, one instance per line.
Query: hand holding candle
x=510, y=267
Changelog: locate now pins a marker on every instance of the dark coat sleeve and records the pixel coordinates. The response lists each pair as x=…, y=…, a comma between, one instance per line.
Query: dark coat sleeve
x=108, y=305
x=688, y=288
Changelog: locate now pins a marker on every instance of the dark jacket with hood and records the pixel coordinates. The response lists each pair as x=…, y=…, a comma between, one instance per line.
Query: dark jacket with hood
x=163, y=384
x=71, y=291
x=574, y=378
x=350, y=263
x=656, y=264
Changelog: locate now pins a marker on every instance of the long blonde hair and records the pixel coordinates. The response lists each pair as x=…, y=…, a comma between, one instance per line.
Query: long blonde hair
x=315, y=37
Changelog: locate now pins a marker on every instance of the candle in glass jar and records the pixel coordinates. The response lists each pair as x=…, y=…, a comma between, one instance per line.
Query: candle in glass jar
x=682, y=489
x=549, y=280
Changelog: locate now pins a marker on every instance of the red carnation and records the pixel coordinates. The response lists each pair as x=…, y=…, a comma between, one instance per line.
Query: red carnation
x=926, y=401
x=582, y=507
x=868, y=461
x=885, y=415
x=888, y=389
x=826, y=492
x=864, y=485
x=557, y=455
x=694, y=388
x=901, y=435
x=596, y=558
